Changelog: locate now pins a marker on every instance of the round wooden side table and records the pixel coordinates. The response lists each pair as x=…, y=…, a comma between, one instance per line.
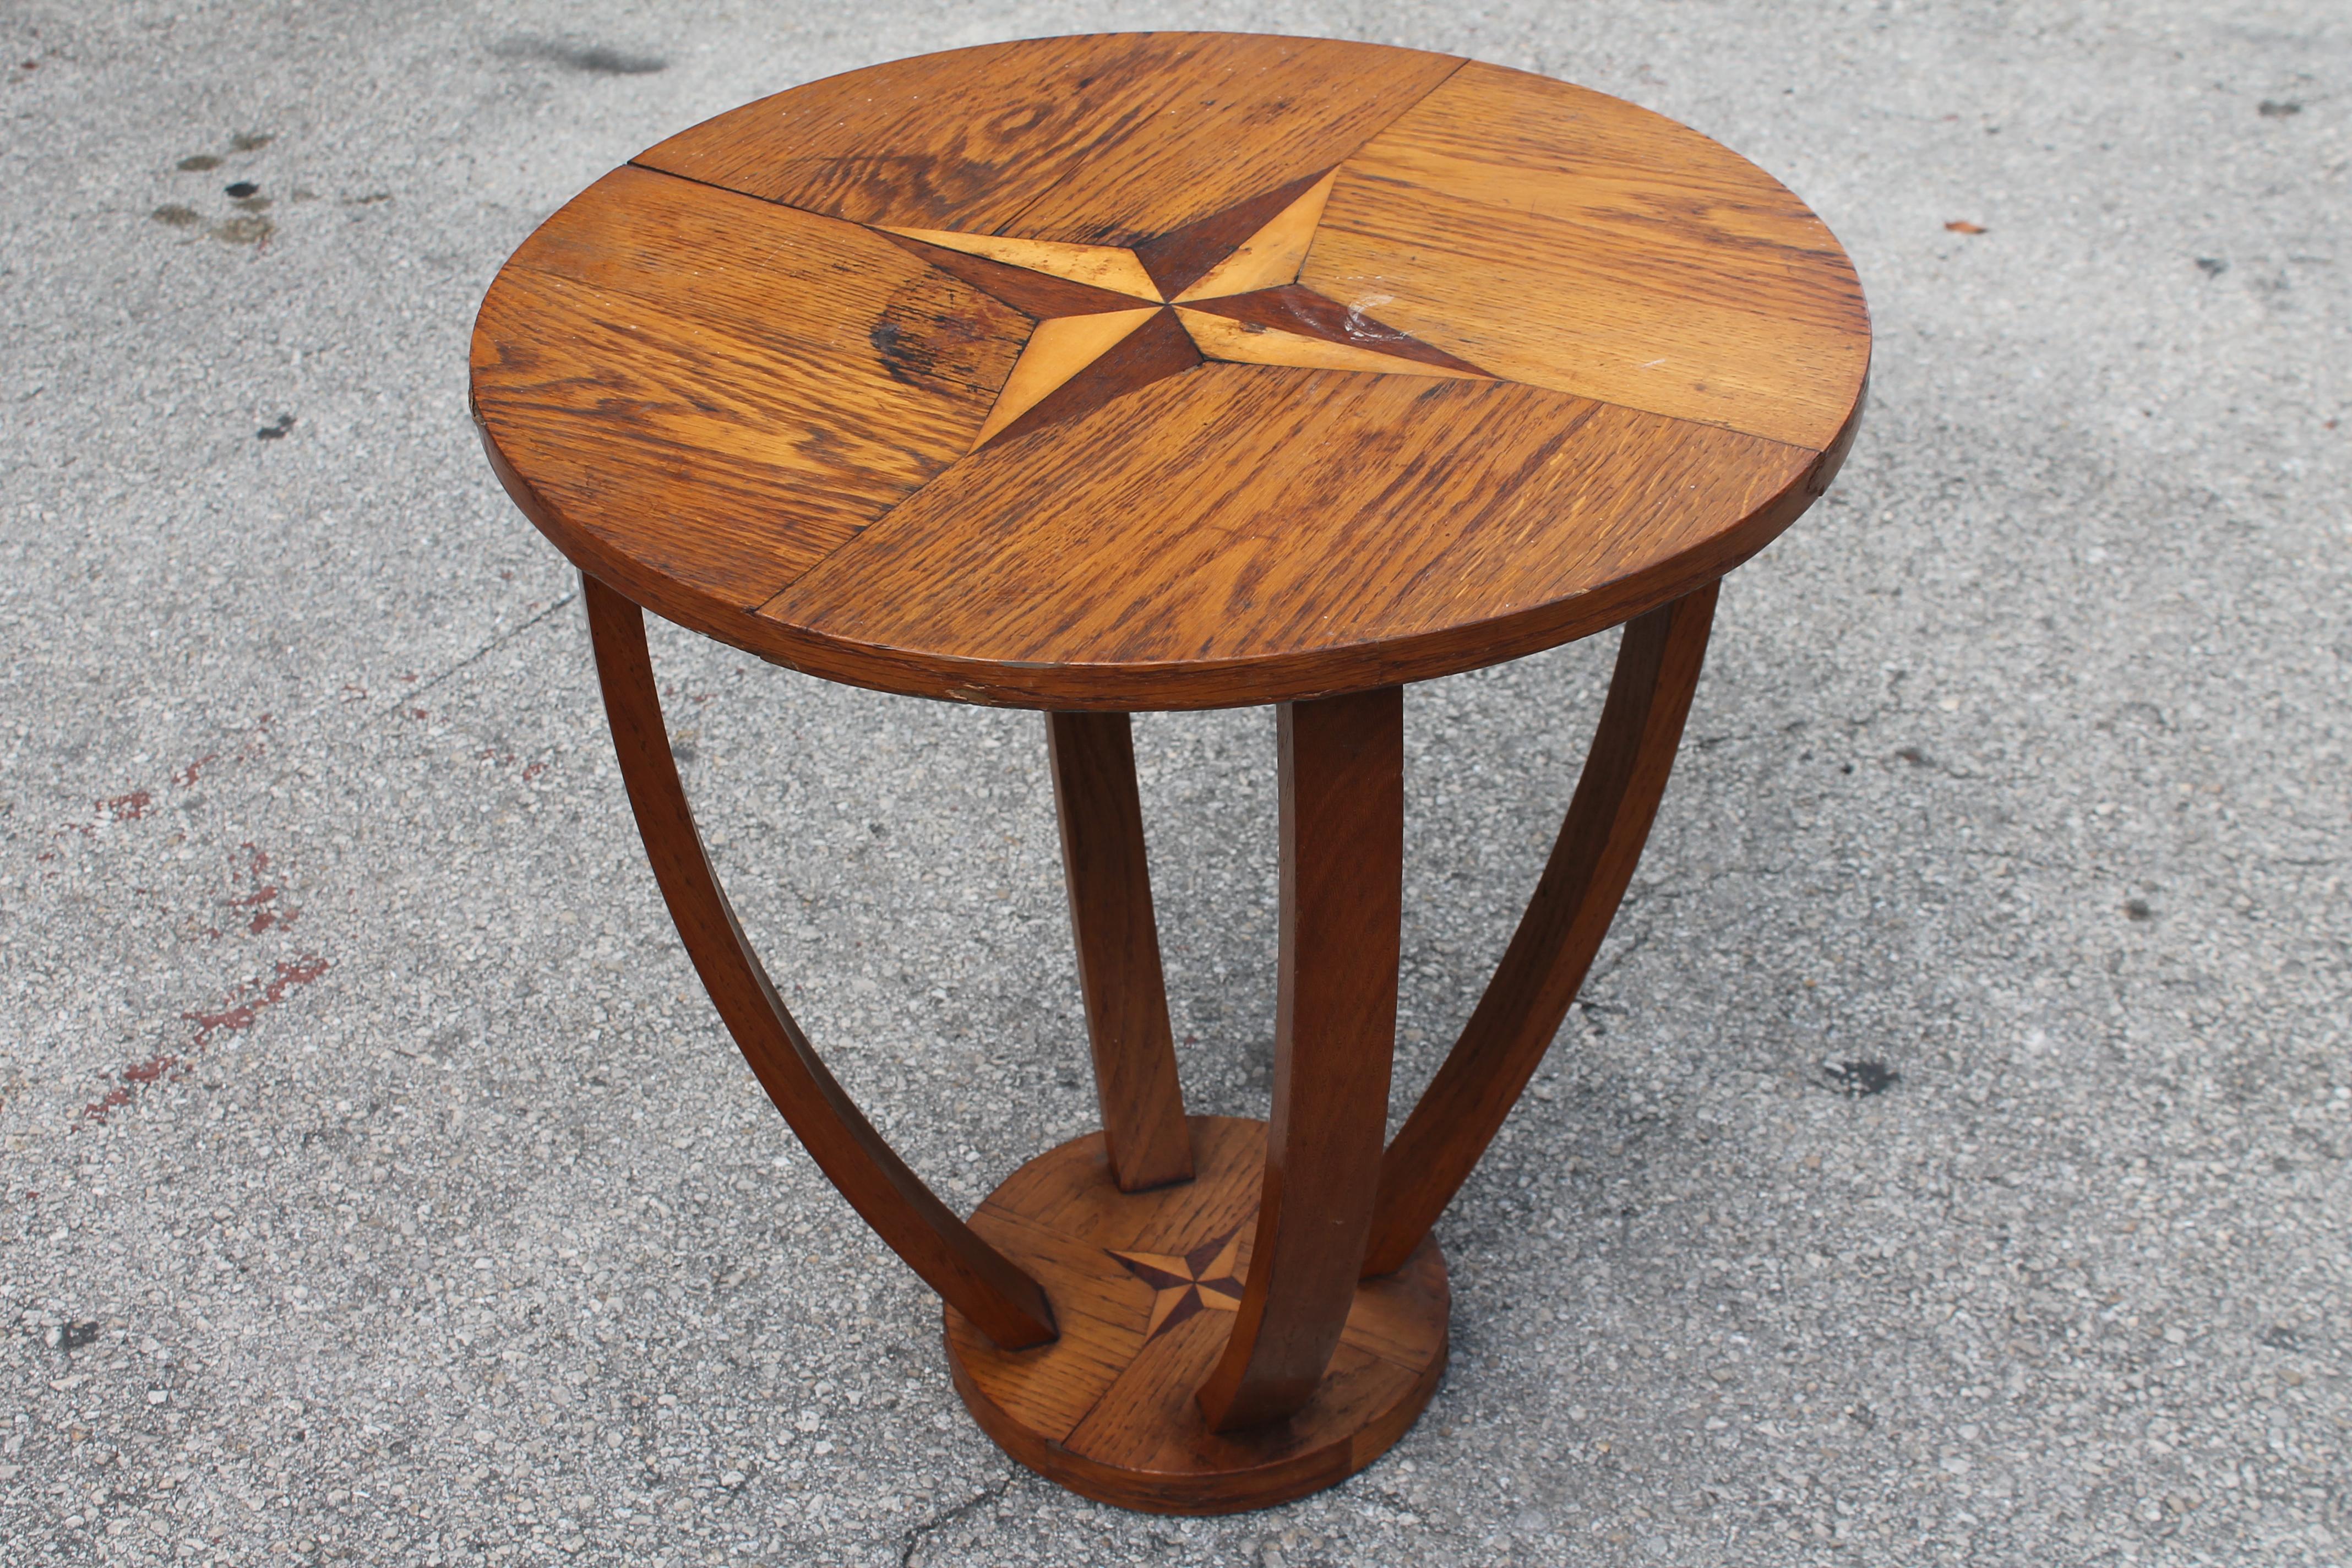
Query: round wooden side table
x=1171, y=371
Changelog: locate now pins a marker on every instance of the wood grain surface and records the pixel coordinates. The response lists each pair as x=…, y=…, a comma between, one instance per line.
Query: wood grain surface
x=941, y=461
x=1141, y=540
x=1341, y=898
x=1092, y=758
x=1107, y=1409
x=1559, y=236
x=704, y=394
x=1102, y=140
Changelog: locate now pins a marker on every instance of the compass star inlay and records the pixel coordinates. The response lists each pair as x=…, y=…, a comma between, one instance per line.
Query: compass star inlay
x=1112, y=319
x=1203, y=1279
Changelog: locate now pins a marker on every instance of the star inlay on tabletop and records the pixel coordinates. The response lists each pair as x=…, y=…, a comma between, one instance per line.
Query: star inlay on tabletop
x=1112, y=319
x=1203, y=1279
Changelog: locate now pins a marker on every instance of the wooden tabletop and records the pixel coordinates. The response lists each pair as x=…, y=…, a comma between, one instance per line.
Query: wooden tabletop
x=1169, y=370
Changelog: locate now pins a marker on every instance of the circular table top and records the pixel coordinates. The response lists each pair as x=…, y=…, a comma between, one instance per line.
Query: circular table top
x=1169, y=370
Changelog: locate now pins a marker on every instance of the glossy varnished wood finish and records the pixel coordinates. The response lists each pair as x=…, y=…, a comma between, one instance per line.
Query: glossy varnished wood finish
x=1108, y=139
x=1107, y=1409
x=1576, y=898
x=699, y=395
x=1129, y=557
x=1556, y=235
x=1000, y=1300
x=1342, y=867
x=1154, y=349
x=1109, y=882
x=722, y=382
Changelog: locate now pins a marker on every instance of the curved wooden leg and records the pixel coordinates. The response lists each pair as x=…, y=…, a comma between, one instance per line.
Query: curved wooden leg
x=1334, y=1028
x=974, y=1277
x=1093, y=755
x=1592, y=864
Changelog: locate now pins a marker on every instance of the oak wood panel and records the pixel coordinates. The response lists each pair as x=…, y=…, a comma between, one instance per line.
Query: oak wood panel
x=976, y=1279
x=1107, y=1409
x=1236, y=531
x=1167, y=129
x=1341, y=898
x=1552, y=235
x=1108, y=877
x=699, y=395
x=1584, y=882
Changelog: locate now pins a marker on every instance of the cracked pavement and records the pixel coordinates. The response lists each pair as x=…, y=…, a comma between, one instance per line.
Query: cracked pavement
x=1947, y=1161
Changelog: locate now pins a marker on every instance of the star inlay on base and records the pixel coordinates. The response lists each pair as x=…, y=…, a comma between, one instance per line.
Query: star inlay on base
x=1112, y=319
x=1148, y=1288
x=1205, y=1278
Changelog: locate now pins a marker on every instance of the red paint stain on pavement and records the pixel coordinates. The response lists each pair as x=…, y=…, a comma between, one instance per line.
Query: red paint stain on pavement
x=128, y=807
x=242, y=1008
x=253, y=868
x=257, y=998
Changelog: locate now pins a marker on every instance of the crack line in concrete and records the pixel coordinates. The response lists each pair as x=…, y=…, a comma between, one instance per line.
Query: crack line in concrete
x=480, y=653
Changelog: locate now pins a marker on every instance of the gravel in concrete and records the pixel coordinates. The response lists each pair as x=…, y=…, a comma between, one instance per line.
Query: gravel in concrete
x=1947, y=1163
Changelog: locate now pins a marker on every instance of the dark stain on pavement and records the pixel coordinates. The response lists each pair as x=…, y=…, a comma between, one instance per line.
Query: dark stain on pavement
x=70, y=1337
x=592, y=59
x=1859, y=1078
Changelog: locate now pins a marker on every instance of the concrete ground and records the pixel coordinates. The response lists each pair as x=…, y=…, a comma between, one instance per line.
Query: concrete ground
x=380, y=1188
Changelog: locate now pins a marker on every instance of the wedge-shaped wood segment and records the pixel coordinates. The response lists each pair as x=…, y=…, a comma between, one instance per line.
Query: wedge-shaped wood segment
x=1104, y=267
x=1033, y=293
x=1058, y=350
x=1245, y=343
x=1291, y=311
x=1245, y=530
x=1584, y=882
x=972, y=1277
x=1264, y=238
x=1067, y=373
x=1103, y=863
x=1554, y=236
x=1105, y=139
x=1108, y=1407
x=700, y=396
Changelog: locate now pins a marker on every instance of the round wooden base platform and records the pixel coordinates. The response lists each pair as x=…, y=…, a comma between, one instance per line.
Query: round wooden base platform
x=1145, y=1287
